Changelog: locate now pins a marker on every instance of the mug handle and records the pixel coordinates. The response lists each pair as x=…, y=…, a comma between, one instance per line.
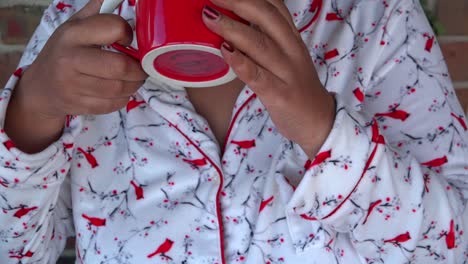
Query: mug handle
x=107, y=7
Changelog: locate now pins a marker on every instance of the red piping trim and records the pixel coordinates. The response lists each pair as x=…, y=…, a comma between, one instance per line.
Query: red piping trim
x=218, y=193
x=235, y=118
x=360, y=179
x=218, y=207
x=120, y=8
x=319, y=4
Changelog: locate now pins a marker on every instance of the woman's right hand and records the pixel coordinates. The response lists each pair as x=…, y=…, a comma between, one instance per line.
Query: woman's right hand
x=72, y=75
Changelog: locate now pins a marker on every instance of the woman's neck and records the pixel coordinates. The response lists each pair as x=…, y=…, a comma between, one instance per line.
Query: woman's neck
x=215, y=104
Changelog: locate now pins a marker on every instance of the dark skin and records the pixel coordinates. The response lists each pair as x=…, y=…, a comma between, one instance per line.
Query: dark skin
x=71, y=76
x=206, y=99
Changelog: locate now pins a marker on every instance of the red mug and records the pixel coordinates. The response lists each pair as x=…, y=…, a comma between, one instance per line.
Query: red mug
x=174, y=45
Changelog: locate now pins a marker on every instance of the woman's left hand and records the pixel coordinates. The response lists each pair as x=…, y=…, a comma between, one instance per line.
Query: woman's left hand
x=274, y=62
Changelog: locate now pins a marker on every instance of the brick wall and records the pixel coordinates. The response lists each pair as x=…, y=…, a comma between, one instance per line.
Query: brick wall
x=18, y=20
x=17, y=23
x=454, y=42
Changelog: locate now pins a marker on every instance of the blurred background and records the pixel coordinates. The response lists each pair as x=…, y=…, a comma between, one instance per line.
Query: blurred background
x=19, y=18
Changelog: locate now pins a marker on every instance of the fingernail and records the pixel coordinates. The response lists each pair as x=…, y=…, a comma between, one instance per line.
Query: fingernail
x=210, y=13
x=228, y=47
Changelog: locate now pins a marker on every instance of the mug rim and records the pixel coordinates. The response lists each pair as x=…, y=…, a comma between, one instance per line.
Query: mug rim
x=148, y=58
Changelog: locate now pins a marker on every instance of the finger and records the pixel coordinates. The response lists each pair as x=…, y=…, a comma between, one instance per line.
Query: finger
x=255, y=76
x=97, y=106
x=102, y=29
x=255, y=44
x=107, y=89
x=91, y=8
x=107, y=65
x=265, y=15
x=279, y=4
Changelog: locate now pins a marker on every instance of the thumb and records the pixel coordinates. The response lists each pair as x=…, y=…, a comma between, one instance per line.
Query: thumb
x=90, y=9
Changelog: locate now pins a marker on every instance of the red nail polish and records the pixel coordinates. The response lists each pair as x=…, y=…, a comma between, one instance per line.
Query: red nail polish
x=210, y=12
x=228, y=47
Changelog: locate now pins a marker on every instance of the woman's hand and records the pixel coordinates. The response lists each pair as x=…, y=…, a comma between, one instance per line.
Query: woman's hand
x=271, y=58
x=72, y=75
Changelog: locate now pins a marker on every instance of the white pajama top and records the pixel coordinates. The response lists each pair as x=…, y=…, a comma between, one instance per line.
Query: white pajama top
x=149, y=184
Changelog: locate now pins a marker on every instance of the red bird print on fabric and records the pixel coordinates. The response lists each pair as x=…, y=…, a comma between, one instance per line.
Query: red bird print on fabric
x=138, y=190
x=196, y=162
x=450, y=238
x=358, y=94
x=397, y=114
x=18, y=72
x=9, y=144
x=436, y=162
x=25, y=255
x=23, y=211
x=163, y=249
x=333, y=17
x=429, y=44
x=68, y=145
x=264, y=203
x=89, y=157
x=460, y=120
x=61, y=6
x=331, y=54
x=94, y=220
x=133, y=104
x=399, y=239
x=371, y=207
x=244, y=144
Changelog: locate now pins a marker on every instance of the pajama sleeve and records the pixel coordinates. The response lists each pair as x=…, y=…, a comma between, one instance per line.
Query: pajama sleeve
x=35, y=201
x=392, y=176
